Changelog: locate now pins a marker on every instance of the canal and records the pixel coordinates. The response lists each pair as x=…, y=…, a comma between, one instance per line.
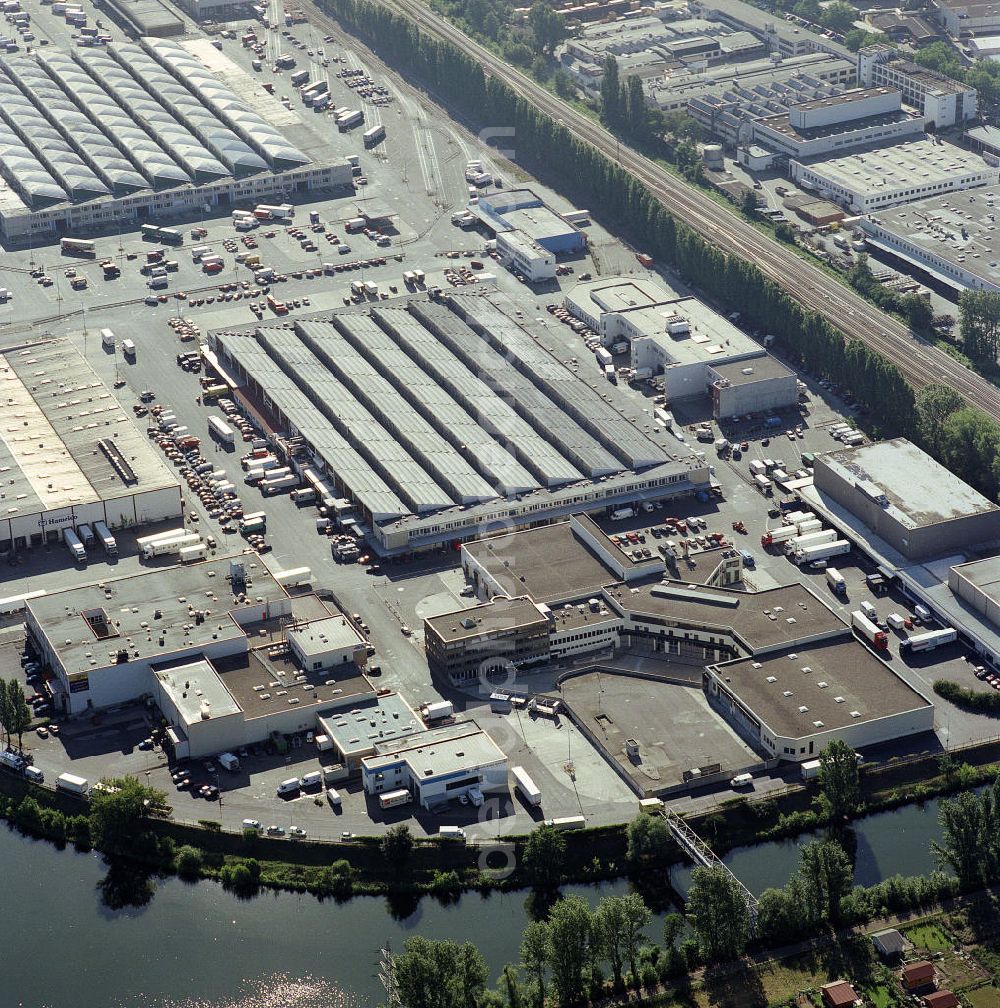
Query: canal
x=198, y=946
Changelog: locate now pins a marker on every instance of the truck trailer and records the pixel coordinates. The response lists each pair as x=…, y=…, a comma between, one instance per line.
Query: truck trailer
x=783, y=533
x=108, y=541
x=836, y=582
x=390, y=799
x=166, y=547
x=221, y=431
x=526, y=787
x=820, y=551
x=71, y=783
x=863, y=626
x=437, y=711
x=74, y=545
x=928, y=641
x=798, y=542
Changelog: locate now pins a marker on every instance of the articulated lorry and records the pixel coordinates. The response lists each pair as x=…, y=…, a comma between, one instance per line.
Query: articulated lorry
x=820, y=551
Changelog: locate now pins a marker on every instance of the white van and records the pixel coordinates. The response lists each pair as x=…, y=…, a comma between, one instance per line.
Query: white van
x=742, y=780
x=333, y=797
x=313, y=779
x=34, y=774
x=922, y=613
x=452, y=831
x=289, y=786
x=870, y=611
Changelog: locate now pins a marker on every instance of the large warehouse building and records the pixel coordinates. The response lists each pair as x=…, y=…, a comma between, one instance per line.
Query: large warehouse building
x=94, y=138
x=444, y=420
x=913, y=503
x=597, y=601
x=69, y=453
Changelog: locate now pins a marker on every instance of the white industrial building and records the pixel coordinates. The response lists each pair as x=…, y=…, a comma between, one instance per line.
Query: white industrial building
x=964, y=19
x=522, y=254
x=872, y=180
x=223, y=651
x=69, y=453
x=694, y=349
x=939, y=99
x=841, y=122
x=951, y=238
x=793, y=704
x=438, y=765
x=786, y=38
x=92, y=138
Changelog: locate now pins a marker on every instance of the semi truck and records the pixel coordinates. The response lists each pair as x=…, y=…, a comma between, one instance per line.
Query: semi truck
x=928, y=641
x=373, y=136
x=278, y=485
x=820, y=551
x=157, y=536
x=74, y=545
x=783, y=533
x=864, y=627
x=836, y=582
x=808, y=525
x=349, y=119
x=393, y=798
x=108, y=541
x=221, y=431
x=567, y=822
x=526, y=787
x=71, y=783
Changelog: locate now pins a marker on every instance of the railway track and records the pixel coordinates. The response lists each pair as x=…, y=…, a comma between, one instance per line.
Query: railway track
x=919, y=362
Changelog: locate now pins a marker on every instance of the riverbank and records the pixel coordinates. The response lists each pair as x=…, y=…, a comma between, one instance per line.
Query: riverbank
x=447, y=867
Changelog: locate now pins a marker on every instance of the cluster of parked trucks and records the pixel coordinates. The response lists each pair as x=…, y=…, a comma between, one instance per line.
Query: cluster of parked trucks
x=78, y=540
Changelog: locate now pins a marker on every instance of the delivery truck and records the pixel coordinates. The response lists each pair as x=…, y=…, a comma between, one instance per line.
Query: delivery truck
x=71, y=783
x=390, y=799
x=836, y=582
x=567, y=822
x=526, y=787
x=431, y=712
x=293, y=577
x=820, y=551
x=865, y=628
x=221, y=431
x=810, y=769
x=928, y=641
x=169, y=547
x=269, y=487
x=621, y=513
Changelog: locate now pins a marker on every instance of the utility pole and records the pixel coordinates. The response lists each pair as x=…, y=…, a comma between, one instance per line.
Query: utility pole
x=387, y=974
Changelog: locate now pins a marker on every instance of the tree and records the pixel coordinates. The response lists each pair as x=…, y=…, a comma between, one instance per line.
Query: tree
x=188, y=862
x=719, y=915
x=563, y=84
x=397, y=845
x=6, y=711
x=858, y=38
x=934, y=405
x=917, y=311
x=548, y=28
x=440, y=974
x=544, y=854
x=970, y=841
x=570, y=933
x=118, y=813
x=748, y=204
x=840, y=779
x=979, y=324
x=648, y=840
x=535, y=957
x=620, y=921
x=839, y=16
x=826, y=878
x=18, y=710
x=611, y=93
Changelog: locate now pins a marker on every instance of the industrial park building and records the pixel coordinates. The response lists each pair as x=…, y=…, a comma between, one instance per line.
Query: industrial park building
x=877, y=179
x=70, y=454
x=599, y=601
x=940, y=100
x=92, y=139
x=415, y=413
x=906, y=498
x=952, y=239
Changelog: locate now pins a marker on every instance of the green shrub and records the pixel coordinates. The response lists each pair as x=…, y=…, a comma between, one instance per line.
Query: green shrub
x=188, y=861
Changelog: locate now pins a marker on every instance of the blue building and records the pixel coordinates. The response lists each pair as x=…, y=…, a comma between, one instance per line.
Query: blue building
x=521, y=210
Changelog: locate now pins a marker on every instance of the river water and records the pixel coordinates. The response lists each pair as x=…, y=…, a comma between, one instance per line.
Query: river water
x=198, y=946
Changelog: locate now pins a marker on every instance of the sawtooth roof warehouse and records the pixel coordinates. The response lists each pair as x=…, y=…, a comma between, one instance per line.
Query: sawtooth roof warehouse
x=92, y=138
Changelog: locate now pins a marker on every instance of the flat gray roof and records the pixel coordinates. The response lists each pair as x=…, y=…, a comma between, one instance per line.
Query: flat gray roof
x=64, y=438
x=984, y=574
x=762, y=620
x=440, y=751
x=840, y=684
x=87, y=625
x=373, y=719
x=746, y=372
x=549, y=563
x=319, y=636
x=196, y=690
x=500, y=614
x=921, y=492
x=618, y=293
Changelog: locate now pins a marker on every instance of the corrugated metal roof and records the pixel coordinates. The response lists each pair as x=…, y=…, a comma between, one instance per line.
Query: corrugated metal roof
x=83, y=135
x=199, y=162
x=507, y=382
x=155, y=164
x=343, y=461
x=552, y=377
x=354, y=422
x=206, y=126
x=478, y=401
x=440, y=456
x=223, y=101
x=32, y=180
x=48, y=144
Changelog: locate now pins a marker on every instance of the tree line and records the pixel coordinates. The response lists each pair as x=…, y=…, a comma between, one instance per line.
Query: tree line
x=593, y=180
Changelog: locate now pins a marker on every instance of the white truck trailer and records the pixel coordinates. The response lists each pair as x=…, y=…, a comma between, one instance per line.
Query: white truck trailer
x=527, y=788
